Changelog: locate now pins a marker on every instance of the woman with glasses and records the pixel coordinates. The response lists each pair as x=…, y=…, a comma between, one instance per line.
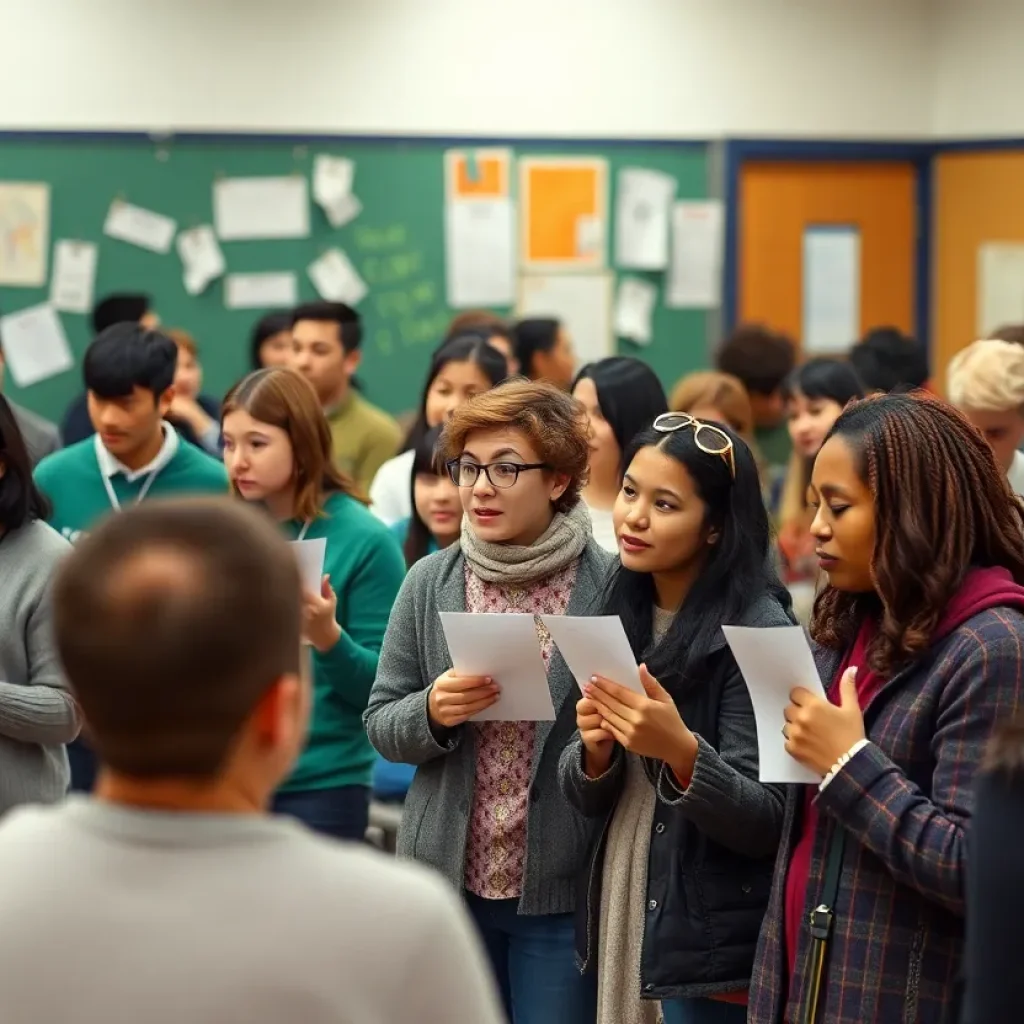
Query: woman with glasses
x=484, y=807
x=680, y=876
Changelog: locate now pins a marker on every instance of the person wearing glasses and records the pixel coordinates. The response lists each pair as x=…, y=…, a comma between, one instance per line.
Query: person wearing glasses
x=484, y=807
x=679, y=880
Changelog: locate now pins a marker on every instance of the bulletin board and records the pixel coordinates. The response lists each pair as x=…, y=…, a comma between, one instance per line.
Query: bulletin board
x=397, y=242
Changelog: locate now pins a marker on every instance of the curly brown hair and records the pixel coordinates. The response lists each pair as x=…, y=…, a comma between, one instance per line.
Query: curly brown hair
x=942, y=507
x=554, y=421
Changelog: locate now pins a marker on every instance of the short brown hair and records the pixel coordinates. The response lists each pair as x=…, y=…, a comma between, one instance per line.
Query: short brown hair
x=482, y=320
x=554, y=421
x=172, y=620
x=184, y=341
x=721, y=390
x=760, y=357
x=1009, y=332
x=284, y=398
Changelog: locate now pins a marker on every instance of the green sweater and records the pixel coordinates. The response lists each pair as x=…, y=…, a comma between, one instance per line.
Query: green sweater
x=71, y=479
x=366, y=568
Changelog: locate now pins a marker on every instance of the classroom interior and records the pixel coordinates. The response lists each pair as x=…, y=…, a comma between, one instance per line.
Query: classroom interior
x=892, y=123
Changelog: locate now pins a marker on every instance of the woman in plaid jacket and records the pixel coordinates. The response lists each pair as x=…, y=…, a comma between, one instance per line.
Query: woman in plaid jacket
x=920, y=638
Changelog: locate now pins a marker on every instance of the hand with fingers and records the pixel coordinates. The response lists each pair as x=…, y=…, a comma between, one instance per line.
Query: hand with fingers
x=319, y=617
x=455, y=699
x=647, y=724
x=598, y=743
x=819, y=732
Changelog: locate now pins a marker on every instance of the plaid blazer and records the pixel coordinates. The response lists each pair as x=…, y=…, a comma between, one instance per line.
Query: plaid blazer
x=905, y=801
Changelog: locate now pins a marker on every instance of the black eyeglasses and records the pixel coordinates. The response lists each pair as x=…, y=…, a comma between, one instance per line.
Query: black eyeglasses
x=501, y=474
x=711, y=440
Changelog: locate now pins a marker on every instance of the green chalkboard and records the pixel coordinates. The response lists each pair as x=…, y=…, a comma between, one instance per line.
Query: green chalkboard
x=397, y=243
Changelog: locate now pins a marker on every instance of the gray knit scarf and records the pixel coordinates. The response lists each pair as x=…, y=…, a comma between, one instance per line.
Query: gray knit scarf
x=512, y=565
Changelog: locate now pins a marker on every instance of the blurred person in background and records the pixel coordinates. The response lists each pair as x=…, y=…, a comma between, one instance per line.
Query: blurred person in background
x=709, y=395
x=271, y=341
x=114, y=309
x=1009, y=332
x=622, y=397
x=41, y=437
x=463, y=366
x=174, y=895
x=499, y=334
x=38, y=715
x=985, y=381
x=327, y=349
x=887, y=360
x=194, y=415
x=544, y=351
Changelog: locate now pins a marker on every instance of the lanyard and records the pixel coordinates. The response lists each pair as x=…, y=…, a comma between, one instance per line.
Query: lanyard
x=302, y=532
x=112, y=496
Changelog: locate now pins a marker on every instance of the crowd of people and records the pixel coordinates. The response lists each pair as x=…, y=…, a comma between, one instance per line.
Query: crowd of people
x=623, y=863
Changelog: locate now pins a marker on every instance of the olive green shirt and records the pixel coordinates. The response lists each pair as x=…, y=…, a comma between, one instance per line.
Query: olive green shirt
x=364, y=438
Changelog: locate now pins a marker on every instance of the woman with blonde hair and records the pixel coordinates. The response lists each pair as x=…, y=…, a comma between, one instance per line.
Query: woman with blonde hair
x=985, y=381
x=710, y=395
x=277, y=449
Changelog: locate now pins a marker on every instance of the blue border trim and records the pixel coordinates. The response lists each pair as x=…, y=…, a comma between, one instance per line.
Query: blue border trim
x=738, y=151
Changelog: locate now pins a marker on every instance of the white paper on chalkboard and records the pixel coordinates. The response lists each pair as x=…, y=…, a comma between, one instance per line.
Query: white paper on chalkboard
x=261, y=208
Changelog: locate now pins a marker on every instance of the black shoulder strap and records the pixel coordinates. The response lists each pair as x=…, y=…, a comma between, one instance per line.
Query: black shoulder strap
x=821, y=922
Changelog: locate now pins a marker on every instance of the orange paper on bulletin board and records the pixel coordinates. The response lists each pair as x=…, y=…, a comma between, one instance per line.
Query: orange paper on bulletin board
x=564, y=212
x=478, y=174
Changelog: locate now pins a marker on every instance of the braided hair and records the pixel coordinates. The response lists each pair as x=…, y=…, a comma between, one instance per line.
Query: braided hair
x=942, y=507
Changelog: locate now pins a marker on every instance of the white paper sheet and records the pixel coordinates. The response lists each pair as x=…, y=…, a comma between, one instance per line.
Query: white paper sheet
x=24, y=233
x=634, y=307
x=332, y=188
x=643, y=203
x=201, y=258
x=773, y=662
x=136, y=226
x=583, y=302
x=311, y=555
x=35, y=345
x=504, y=647
x=831, y=289
x=480, y=262
x=74, y=276
x=1000, y=287
x=336, y=279
x=595, y=646
x=271, y=207
x=694, y=279
x=589, y=236
x=261, y=291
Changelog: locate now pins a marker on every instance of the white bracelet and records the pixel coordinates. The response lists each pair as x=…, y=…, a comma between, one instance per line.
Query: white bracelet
x=844, y=759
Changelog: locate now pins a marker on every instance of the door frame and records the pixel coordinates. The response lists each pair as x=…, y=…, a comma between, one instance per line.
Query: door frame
x=739, y=152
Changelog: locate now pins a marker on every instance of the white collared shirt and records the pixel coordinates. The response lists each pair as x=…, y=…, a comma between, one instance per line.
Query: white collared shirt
x=111, y=466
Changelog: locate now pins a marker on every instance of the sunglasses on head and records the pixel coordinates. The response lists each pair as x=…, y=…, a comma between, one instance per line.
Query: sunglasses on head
x=707, y=437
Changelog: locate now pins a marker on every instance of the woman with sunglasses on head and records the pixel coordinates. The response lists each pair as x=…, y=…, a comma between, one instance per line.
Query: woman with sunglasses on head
x=485, y=807
x=462, y=367
x=920, y=645
x=680, y=876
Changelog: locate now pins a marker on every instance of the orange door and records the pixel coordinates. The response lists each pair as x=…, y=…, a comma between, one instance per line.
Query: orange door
x=780, y=200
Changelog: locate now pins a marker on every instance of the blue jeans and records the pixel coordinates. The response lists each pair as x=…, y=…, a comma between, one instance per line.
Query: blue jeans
x=534, y=961
x=703, y=1011
x=342, y=812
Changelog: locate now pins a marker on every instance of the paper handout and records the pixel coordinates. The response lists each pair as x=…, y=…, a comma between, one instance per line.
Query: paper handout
x=695, y=272
x=642, y=208
x=634, y=307
x=261, y=291
x=271, y=207
x=201, y=257
x=144, y=228
x=831, y=288
x=480, y=265
x=595, y=646
x=505, y=647
x=74, y=276
x=336, y=280
x=35, y=345
x=332, y=189
x=773, y=662
x=311, y=555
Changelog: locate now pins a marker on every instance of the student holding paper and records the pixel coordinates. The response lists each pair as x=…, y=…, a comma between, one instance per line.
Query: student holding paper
x=484, y=807
x=920, y=644
x=277, y=448
x=462, y=367
x=672, y=774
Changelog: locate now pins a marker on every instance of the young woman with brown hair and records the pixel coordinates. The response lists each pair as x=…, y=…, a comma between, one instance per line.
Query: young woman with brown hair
x=277, y=448
x=485, y=807
x=920, y=644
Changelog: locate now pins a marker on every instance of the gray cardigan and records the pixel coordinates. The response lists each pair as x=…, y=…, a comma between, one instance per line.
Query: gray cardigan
x=37, y=713
x=435, y=822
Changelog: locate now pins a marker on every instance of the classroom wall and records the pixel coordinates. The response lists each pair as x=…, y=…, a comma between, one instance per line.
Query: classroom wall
x=650, y=68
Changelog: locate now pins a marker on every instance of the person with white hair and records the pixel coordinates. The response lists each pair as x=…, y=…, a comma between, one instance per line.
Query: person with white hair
x=985, y=381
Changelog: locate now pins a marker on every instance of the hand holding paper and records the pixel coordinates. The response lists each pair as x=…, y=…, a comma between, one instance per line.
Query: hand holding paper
x=818, y=732
x=311, y=555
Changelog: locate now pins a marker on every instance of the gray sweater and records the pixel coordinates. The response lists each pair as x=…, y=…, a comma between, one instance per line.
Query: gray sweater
x=37, y=714
x=435, y=822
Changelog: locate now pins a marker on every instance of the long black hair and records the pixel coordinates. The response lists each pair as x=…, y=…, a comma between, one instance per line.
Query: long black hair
x=468, y=347
x=533, y=335
x=629, y=394
x=737, y=572
x=20, y=500
x=824, y=378
x=418, y=537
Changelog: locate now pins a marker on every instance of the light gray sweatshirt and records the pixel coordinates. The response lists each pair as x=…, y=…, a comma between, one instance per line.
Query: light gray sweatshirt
x=37, y=713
